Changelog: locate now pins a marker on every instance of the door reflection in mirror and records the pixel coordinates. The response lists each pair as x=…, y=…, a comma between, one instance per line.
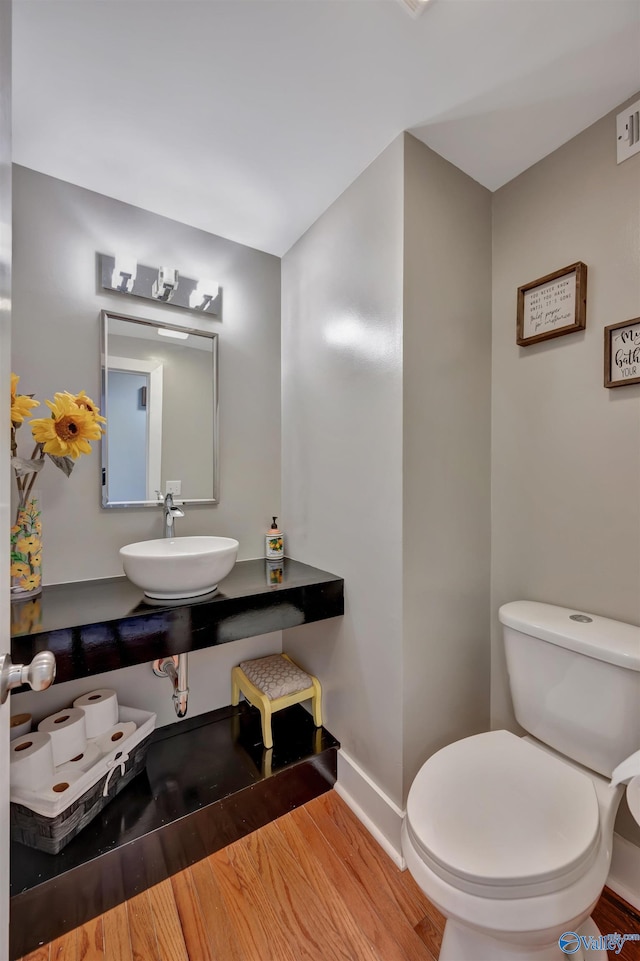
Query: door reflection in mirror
x=128, y=436
x=160, y=400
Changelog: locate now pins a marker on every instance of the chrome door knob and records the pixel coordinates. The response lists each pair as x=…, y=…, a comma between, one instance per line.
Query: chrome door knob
x=39, y=675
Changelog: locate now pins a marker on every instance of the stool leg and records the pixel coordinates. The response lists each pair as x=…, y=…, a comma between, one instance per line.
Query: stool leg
x=235, y=688
x=265, y=716
x=316, y=702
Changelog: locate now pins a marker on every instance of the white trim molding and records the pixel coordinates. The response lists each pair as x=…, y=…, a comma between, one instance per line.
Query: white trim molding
x=624, y=875
x=380, y=815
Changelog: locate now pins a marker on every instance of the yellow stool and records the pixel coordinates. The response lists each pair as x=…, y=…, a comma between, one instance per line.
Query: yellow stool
x=271, y=683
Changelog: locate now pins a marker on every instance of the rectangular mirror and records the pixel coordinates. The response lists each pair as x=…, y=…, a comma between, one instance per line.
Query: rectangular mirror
x=160, y=398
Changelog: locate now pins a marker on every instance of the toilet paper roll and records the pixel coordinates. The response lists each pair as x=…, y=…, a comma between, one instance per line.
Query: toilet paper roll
x=82, y=762
x=58, y=785
x=68, y=733
x=100, y=709
x=20, y=724
x=627, y=769
x=31, y=764
x=633, y=797
x=116, y=737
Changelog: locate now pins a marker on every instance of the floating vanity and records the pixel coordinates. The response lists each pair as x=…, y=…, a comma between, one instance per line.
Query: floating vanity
x=103, y=625
x=174, y=813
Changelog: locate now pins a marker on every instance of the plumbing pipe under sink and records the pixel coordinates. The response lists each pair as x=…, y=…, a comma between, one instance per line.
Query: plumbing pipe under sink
x=175, y=668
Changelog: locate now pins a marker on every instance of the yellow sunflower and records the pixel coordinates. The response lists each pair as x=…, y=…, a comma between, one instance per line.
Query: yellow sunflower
x=36, y=559
x=30, y=583
x=69, y=429
x=86, y=403
x=30, y=543
x=21, y=405
x=19, y=569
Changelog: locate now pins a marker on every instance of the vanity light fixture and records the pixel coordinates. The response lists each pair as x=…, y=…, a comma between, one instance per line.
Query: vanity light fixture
x=124, y=275
x=169, y=332
x=121, y=274
x=166, y=284
x=204, y=294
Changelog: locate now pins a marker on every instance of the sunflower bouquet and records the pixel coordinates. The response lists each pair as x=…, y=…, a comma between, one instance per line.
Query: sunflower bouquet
x=75, y=421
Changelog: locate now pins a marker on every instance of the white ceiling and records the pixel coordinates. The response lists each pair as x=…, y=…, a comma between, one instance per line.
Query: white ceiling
x=247, y=118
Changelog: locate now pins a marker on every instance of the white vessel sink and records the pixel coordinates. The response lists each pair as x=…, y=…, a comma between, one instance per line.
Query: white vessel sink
x=171, y=568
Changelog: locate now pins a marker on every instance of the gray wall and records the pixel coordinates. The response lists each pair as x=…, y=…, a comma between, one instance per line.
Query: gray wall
x=342, y=455
x=57, y=301
x=446, y=460
x=386, y=450
x=566, y=451
x=57, y=230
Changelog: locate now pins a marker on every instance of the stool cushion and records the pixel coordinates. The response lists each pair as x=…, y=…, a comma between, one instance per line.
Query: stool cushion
x=275, y=676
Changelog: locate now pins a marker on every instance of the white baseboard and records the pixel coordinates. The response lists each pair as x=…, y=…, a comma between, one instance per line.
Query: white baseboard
x=624, y=876
x=380, y=815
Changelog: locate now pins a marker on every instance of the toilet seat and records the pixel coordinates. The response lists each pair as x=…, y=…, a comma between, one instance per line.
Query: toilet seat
x=495, y=816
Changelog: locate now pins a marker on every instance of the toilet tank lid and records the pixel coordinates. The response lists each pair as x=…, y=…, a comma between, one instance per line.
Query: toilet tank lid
x=599, y=637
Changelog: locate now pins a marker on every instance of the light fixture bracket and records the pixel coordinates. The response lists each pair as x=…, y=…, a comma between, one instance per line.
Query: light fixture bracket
x=415, y=7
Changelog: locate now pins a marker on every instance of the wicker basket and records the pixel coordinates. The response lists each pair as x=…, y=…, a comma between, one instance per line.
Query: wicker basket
x=52, y=834
x=40, y=822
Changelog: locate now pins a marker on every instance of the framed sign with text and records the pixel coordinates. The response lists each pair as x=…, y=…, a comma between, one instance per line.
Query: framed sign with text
x=553, y=305
x=622, y=353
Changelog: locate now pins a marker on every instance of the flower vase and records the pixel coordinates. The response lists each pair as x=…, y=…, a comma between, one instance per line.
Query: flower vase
x=26, y=549
x=26, y=615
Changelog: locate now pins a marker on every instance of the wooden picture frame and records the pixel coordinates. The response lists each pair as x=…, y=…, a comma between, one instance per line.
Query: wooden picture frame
x=622, y=353
x=553, y=305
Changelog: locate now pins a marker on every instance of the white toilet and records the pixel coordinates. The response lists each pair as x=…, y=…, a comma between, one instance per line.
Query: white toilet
x=510, y=837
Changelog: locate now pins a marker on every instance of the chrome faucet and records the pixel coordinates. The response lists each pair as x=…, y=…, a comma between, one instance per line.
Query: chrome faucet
x=170, y=514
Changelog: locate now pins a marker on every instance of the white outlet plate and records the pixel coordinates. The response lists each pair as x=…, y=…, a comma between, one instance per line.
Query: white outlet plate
x=628, y=131
x=173, y=487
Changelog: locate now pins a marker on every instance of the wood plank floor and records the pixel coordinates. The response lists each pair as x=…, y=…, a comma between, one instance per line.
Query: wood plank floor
x=311, y=886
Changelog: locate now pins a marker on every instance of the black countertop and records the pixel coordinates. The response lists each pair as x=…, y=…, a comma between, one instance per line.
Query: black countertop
x=103, y=625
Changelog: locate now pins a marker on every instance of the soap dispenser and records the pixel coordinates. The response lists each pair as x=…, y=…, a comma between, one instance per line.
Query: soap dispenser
x=274, y=542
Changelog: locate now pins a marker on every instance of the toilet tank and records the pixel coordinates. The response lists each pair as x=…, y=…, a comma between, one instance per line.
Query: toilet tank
x=575, y=681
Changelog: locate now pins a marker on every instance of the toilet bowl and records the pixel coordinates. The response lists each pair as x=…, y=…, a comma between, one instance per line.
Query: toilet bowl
x=509, y=836
x=511, y=843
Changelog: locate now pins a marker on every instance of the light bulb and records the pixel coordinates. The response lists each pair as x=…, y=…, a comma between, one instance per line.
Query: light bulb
x=177, y=334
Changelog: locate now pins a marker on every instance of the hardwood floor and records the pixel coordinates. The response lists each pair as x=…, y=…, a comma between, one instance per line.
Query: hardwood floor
x=311, y=886
x=612, y=914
